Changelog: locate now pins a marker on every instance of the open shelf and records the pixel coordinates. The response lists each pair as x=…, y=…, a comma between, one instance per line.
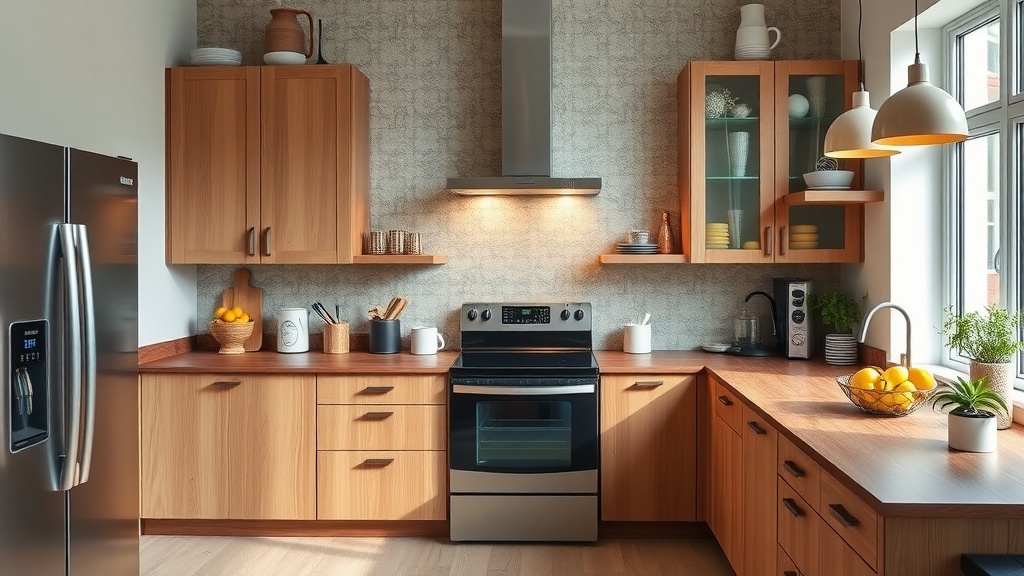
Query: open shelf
x=835, y=197
x=643, y=259
x=399, y=259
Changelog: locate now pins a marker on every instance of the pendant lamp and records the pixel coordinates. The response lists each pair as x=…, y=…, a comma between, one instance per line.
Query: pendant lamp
x=850, y=135
x=920, y=114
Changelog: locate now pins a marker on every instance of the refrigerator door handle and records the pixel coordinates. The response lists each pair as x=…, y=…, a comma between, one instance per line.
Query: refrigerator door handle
x=88, y=310
x=72, y=377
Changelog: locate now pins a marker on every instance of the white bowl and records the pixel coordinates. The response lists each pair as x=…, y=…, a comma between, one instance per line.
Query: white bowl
x=828, y=179
x=284, y=58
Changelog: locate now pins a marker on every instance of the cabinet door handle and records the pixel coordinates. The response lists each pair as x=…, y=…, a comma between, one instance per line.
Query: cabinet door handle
x=789, y=573
x=378, y=462
x=790, y=505
x=725, y=400
x=845, y=518
x=227, y=383
x=782, y=240
x=757, y=429
x=376, y=416
x=767, y=240
x=266, y=241
x=377, y=389
x=252, y=241
x=649, y=384
x=793, y=469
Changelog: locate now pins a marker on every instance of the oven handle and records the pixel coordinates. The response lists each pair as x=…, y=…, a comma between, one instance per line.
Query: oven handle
x=524, y=390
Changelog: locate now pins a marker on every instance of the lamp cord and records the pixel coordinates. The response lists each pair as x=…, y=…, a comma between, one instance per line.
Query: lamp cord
x=860, y=51
x=917, y=48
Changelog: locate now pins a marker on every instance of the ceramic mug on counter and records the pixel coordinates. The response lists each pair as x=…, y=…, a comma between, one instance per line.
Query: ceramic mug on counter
x=426, y=340
x=636, y=338
x=292, y=330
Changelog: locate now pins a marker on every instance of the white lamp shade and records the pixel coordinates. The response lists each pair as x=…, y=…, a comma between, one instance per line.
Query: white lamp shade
x=850, y=135
x=919, y=115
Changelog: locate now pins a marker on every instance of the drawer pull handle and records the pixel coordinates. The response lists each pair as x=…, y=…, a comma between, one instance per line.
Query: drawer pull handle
x=789, y=573
x=790, y=505
x=725, y=400
x=378, y=462
x=793, y=469
x=378, y=389
x=757, y=429
x=649, y=384
x=376, y=416
x=227, y=383
x=845, y=518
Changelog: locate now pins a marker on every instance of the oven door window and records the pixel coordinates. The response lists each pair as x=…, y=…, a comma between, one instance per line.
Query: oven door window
x=523, y=434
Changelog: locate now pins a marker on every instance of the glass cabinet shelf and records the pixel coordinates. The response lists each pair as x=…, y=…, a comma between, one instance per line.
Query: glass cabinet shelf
x=731, y=177
x=728, y=121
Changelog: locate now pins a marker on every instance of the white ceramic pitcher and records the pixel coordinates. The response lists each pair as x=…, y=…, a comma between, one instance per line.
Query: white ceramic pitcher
x=752, y=35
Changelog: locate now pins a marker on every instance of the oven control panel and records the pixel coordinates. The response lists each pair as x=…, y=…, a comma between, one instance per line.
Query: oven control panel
x=501, y=316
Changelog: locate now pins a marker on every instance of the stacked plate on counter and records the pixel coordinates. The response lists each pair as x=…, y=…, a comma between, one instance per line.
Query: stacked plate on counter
x=803, y=237
x=637, y=248
x=716, y=236
x=216, y=57
x=840, y=349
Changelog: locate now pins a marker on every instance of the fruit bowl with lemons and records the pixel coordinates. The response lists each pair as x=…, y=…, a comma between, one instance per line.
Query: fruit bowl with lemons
x=895, y=391
x=231, y=327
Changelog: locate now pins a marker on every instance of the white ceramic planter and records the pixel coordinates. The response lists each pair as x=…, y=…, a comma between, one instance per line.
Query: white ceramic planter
x=1000, y=378
x=972, y=433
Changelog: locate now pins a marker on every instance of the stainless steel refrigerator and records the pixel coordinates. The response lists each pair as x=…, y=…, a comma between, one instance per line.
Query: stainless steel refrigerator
x=69, y=448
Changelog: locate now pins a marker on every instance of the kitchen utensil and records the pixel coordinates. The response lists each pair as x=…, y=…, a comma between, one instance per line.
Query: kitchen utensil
x=283, y=33
x=320, y=309
x=397, y=310
x=647, y=318
x=385, y=336
x=249, y=299
x=320, y=44
x=376, y=313
x=636, y=338
x=425, y=340
x=292, y=330
x=715, y=348
x=336, y=338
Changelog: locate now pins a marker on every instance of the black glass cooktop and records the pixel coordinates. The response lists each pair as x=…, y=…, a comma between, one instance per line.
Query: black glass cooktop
x=540, y=363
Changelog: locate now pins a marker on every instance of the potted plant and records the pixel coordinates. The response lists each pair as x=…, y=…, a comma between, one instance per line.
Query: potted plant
x=839, y=313
x=989, y=339
x=972, y=423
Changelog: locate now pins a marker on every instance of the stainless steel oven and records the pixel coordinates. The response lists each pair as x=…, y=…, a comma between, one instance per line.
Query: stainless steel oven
x=523, y=429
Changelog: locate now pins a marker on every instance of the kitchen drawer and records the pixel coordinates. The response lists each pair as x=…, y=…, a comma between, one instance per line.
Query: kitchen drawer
x=369, y=389
x=799, y=526
x=785, y=565
x=385, y=485
x=727, y=405
x=836, y=558
x=850, y=517
x=799, y=471
x=380, y=427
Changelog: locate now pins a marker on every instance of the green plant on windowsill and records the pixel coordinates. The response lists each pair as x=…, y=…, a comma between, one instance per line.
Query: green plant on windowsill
x=991, y=337
x=836, y=309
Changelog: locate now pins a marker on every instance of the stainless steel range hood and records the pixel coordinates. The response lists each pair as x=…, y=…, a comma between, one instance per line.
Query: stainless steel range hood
x=525, y=111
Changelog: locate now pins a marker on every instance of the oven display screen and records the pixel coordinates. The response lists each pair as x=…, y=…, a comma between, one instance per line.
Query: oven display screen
x=525, y=315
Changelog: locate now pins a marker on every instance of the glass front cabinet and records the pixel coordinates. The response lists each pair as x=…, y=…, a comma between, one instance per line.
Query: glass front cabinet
x=749, y=131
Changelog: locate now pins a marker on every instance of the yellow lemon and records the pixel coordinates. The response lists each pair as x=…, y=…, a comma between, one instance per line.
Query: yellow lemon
x=219, y=312
x=238, y=312
x=896, y=375
x=922, y=379
x=228, y=316
x=865, y=378
x=243, y=318
x=906, y=386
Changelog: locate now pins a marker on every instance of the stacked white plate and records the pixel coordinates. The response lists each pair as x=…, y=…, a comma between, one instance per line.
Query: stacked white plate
x=803, y=237
x=716, y=236
x=216, y=57
x=840, y=349
x=629, y=248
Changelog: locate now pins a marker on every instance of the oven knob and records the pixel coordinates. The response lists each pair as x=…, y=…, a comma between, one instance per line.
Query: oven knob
x=579, y=315
x=486, y=314
x=472, y=314
x=565, y=314
x=799, y=338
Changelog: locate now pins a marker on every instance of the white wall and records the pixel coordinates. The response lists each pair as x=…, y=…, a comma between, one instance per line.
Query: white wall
x=90, y=75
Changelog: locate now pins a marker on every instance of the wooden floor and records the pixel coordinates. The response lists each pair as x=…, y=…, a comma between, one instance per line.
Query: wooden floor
x=236, y=556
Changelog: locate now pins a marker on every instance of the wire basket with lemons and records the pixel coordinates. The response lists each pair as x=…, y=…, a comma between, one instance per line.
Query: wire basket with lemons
x=896, y=391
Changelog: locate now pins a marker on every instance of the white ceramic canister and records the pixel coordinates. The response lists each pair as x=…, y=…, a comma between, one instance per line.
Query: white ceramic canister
x=425, y=340
x=636, y=338
x=292, y=330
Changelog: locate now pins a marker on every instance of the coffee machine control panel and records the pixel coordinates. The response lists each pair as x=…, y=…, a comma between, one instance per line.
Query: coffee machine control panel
x=796, y=339
x=27, y=384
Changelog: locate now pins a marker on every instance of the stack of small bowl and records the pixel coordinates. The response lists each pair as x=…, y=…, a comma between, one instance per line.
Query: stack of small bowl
x=716, y=236
x=803, y=237
x=216, y=57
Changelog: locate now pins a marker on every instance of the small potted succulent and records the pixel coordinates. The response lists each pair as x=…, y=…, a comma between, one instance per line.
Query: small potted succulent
x=840, y=312
x=989, y=339
x=972, y=423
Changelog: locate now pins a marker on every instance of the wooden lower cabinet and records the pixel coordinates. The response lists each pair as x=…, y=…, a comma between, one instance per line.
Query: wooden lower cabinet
x=798, y=526
x=649, y=448
x=388, y=485
x=784, y=564
x=836, y=558
x=725, y=509
x=219, y=446
x=760, y=450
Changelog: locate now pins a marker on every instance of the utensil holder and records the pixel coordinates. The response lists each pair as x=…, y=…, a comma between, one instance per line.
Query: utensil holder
x=336, y=338
x=385, y=336
x=636, y=338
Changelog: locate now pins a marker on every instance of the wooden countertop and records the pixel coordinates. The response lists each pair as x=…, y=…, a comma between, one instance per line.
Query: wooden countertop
x=901, y=466
x=310, y=362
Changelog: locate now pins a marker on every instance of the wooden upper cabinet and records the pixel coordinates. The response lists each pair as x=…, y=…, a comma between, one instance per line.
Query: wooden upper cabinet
x=742, y=158
x=267, y=164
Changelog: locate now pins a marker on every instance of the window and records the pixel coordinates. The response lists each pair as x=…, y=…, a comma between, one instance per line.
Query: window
x=985, y=192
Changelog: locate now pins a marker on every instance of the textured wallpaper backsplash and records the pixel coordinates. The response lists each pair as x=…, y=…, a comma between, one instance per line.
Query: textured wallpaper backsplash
x=435, y=111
